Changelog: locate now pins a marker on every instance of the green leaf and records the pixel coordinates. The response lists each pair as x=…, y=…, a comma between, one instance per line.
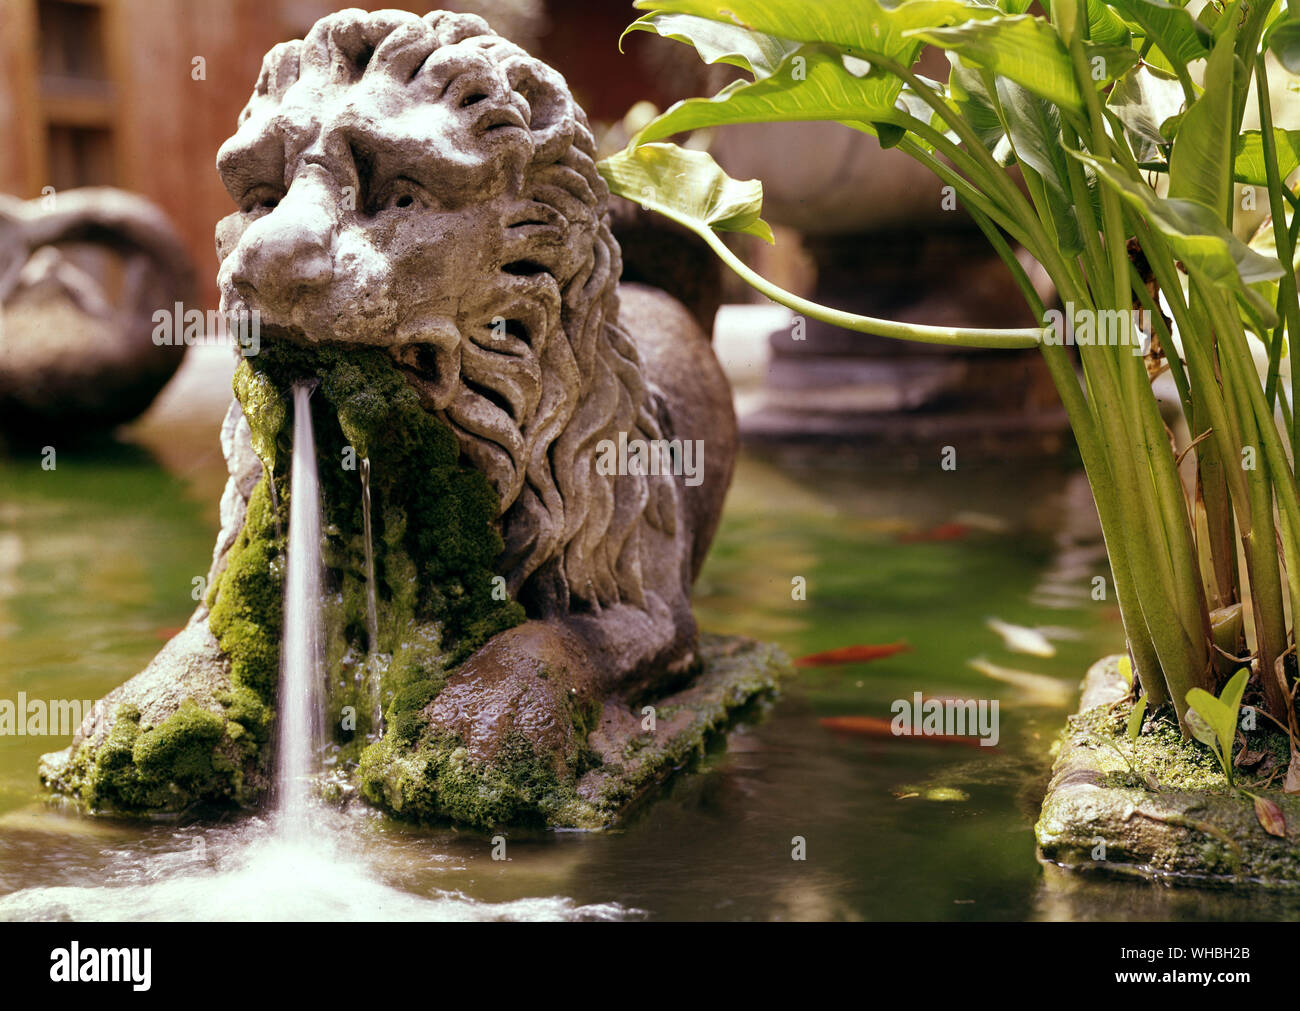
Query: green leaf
x=1035, y=128
x=812, y=84
x=1025, y=49
x=1196, y=236
x=1231, y=699
x=1105, y=27
x=1209, y=18
x=1028, y=51
x=687, y=186
x=1209, y=709
x=1200, y=727
x=1248, y=163
x=1199, y=167
x=967, y=91
x=1134, y=728
x=1173, y=30
x=1284, y=43
x=720, y=42
x=1221, y=713
x=1143, y=100
x=858, y=27
x=1155, y=58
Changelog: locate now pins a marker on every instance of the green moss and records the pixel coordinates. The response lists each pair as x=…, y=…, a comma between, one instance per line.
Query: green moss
x=264, y=407
x=194, y=756
x=737, y=679
x=247, y=710
x=433, y=777
x=419, y=774
x=183, y=747
x=435, y=546
x=246, y=613
x=586, y=717
x=438, y=780
x=1162, y=752
x=435, y=533
x=435, y=543
x=404, y=715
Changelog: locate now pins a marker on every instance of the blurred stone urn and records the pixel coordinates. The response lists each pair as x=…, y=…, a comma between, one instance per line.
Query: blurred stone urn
x=83, y=274
x=889, y=241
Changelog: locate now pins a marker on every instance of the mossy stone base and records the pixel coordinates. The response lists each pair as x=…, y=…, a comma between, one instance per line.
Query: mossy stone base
x=437, y=780
x=179, y=734
x=413, y=612
x=1098, y=816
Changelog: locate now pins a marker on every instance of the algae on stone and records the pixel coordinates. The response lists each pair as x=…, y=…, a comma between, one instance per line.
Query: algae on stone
x=167, y=746
x=1100, y=816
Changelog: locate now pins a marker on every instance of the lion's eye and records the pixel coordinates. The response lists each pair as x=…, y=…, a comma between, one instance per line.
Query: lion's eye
x=404, y=193
x=261, y=198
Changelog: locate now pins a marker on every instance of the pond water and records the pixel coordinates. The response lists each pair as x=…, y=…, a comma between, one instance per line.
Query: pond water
x=97, y=559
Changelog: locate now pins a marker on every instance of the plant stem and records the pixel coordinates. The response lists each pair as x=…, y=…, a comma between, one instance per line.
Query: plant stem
x=1259, y=538
x=957, y=337
x=1288, y=305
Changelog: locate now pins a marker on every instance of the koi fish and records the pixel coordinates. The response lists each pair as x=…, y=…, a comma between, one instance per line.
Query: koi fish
x=871, y=726
x=943, y=532
x=851, y=654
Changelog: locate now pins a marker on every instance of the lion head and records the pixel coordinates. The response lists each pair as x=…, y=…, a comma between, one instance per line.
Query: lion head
x=422, y=184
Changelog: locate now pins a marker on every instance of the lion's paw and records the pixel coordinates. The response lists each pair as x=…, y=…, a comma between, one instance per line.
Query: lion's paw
x=528, y=690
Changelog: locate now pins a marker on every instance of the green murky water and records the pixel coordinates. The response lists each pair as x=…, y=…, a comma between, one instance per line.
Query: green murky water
x=97, y=559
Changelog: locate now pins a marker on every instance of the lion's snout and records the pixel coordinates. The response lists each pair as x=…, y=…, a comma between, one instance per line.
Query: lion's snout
x=288, y=252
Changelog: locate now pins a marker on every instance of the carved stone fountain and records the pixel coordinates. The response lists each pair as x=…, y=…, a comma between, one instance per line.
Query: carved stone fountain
x=502, y=431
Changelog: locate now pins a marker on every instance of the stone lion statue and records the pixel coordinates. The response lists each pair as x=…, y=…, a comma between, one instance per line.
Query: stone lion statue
x=422, y=191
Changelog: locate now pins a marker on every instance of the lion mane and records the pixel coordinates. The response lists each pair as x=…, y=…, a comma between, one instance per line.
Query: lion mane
x=532, y=417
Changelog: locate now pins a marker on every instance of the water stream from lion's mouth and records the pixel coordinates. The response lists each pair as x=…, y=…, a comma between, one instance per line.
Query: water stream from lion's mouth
x=372, y=607
x=301, y=696
x=372, y=610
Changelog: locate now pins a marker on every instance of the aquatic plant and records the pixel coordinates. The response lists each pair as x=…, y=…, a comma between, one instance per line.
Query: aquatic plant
x=1124, y=120
x=1214, y=721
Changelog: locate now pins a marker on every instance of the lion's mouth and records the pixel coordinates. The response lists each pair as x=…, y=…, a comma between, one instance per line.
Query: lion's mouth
x=418, y=361
x=426, y=365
